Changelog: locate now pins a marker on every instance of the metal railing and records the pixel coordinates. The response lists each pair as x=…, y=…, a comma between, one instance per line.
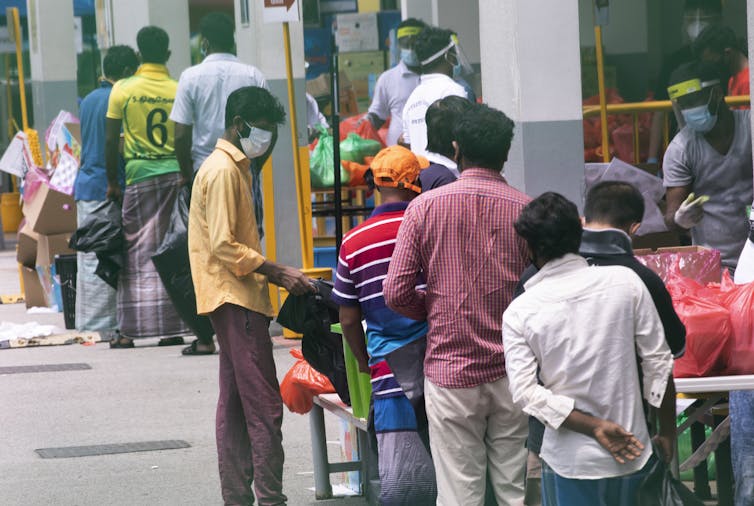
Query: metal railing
x=636, y=108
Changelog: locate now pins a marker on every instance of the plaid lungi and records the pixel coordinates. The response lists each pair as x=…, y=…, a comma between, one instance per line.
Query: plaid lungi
x=144, y=308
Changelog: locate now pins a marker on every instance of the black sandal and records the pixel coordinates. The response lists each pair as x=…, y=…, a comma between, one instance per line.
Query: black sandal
x=121, y=342
x=171, y=341
x=192, y=350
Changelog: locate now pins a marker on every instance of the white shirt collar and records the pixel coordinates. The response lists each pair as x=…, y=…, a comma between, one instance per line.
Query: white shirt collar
x=442, y=160
x=220, y=57
x=405, y=71
x=566, y=263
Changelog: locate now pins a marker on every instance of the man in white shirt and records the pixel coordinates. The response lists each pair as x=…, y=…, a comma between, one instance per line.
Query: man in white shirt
x=582, y=328
x=199, y=111
x=437, y=50
x=396, y=84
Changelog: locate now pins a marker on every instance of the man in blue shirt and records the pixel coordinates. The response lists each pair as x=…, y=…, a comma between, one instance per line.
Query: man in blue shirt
x=95, y=299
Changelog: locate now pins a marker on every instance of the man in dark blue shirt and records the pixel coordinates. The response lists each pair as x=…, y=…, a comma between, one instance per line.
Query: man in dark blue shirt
x=95, y=299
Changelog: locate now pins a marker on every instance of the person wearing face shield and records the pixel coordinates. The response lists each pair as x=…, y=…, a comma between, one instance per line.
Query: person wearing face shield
x=231, y=283
x=697, y=15
x=719, y=46
x=396, y=84
x=441, y=59
x=198, y=113
x=708, y=166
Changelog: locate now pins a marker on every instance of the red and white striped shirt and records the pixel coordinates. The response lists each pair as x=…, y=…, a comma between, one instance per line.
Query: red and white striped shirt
x=461, y=237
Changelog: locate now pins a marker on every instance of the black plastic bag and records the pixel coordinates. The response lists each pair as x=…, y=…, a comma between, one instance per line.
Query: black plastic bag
x=102, y=233
x=660, y=488
x=312, y=315
x=172, y=262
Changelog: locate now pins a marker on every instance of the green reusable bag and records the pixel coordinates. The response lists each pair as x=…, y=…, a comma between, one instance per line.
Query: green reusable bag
x=354, y=148
x=321, y=163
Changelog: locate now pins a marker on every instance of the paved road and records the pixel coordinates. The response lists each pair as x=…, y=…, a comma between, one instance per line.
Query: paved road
x=144, y=394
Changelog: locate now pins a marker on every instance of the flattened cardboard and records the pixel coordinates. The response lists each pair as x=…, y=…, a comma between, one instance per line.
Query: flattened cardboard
x=34, y=294
x=50, y=245
x=26, y=252
x=51, y=212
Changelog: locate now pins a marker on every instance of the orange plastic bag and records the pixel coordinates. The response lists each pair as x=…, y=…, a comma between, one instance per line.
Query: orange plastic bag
x=357, y=171
x=708, y=337
x=301, y=383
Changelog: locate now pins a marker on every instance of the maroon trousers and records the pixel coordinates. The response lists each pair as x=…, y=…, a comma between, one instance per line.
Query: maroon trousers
x=249, y=410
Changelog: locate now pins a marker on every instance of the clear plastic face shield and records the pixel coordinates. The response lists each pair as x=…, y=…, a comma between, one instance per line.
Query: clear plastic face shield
x=454, y=55
x=695, y=21
x=406, y=36
x=691, y=103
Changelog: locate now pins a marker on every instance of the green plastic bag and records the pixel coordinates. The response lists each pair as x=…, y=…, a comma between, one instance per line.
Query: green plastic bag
x=354, y=148
x=321, y=163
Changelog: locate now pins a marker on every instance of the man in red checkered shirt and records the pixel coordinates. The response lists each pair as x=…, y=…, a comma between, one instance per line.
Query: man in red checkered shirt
x=461, y=238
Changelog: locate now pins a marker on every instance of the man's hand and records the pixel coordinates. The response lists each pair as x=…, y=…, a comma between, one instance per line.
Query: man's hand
x=290, y=278
x=666, y=447
x=621, y=444
x=114, y=193
x=691, y=212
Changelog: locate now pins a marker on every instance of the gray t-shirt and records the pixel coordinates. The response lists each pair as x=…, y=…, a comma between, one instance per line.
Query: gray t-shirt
x=726, y=179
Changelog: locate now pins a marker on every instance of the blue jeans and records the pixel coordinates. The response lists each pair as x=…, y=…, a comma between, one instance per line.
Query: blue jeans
x=618, y=491
x=742, y=445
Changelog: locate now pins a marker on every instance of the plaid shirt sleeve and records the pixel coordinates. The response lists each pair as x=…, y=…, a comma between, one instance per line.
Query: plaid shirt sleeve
x=399, y=288
x=344, y=291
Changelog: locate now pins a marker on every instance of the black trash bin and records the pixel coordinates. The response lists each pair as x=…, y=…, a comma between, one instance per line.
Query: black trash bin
x=66, y=269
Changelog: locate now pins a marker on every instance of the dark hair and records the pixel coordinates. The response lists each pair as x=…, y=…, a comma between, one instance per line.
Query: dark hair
x=710, y=6
x=615, y=203
x=217, y=28
x=119, y=59
x=253, y=103
x=551, y=227
x=153, y=42
x=716, y=38
x=441, y=117
x=412, y=22
x=484, y=136
x=696, y=70
x=430, y=41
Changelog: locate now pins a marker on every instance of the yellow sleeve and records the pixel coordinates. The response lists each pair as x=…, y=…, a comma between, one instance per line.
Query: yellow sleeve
x=222, y=220
x=116, y=102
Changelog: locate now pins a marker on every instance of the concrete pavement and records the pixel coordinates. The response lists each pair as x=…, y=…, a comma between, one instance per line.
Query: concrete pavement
x=134, y=395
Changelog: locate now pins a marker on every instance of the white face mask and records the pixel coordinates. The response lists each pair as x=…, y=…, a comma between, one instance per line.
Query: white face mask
x=694, y=28
x=257, y=143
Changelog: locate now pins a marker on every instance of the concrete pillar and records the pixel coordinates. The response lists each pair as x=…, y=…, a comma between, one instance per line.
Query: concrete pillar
x=53, y=60
x=750, y=38
x=531, y=71
x=419, y=9
x=130, y=16
x=261, y=45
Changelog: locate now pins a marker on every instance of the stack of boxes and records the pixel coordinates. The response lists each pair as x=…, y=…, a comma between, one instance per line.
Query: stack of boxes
x=49, y=222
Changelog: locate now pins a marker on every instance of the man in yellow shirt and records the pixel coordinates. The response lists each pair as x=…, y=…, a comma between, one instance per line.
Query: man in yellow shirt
x=230, y=280
x=140, y=105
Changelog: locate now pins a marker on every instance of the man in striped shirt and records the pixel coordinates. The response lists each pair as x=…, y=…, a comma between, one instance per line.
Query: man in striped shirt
x=406, y=471
x=461, y=238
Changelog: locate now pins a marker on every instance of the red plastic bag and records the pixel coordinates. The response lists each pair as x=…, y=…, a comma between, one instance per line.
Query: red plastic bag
x=708, y=338
x=739, y=300
x=364, y=128
x=301, y=383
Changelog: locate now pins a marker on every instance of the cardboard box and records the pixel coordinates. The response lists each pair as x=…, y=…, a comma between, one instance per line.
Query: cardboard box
x=51, y=212
x=357, y=32
x=26, y=251
x=34, y=294
x=701, y=264
x=50, y=245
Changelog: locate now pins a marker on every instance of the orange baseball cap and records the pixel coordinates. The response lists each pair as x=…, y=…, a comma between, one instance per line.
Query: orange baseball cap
x=397, y=167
